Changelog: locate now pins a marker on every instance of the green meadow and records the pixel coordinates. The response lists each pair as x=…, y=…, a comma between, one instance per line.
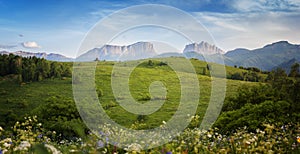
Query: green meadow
x=19, y=100
x=258, y=107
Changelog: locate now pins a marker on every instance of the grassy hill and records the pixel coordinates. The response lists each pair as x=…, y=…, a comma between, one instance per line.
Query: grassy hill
x=17, y=100
x=256, y=117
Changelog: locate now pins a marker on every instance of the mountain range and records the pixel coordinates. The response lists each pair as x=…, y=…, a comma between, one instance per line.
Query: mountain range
x=143, y=50
x=279, y=54
x=203, y=48
x=139, y=50
x=51, y=56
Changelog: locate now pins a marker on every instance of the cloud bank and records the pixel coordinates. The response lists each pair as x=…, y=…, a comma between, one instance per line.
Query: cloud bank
x=30, y=45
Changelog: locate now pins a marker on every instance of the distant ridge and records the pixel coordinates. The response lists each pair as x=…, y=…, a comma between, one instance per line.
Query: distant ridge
x=287, y=65
x=266, y=58
x=203, y=48
x=139, y=50
x=142, y=50
x=51, y=56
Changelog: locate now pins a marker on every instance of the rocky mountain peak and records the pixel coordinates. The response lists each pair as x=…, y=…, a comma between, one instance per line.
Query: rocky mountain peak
x=138, y=50
x=203, y=48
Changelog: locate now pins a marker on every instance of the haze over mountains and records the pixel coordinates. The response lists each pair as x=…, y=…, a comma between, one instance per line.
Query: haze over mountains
x=203, y=48
x=265, y=58
x=51, y=56
x=279, y=54
x=142, y=50
x=139, y=50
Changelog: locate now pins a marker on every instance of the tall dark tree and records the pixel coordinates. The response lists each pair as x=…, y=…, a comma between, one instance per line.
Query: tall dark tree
x=55, y=70
x=4, y=63
x=295, y=70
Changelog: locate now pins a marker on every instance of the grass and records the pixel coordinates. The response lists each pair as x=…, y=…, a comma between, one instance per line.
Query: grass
x=20, y=100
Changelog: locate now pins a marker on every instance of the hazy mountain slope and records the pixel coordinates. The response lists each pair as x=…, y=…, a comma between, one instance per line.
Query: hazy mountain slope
x=287, y=64
x=265, y=58
x=51, y=56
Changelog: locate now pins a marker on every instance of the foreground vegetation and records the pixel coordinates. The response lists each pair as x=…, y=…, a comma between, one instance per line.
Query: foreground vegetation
x=259, y=117
x=29, y=136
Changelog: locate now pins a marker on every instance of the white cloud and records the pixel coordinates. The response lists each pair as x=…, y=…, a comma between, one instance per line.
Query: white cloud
x=30, y=45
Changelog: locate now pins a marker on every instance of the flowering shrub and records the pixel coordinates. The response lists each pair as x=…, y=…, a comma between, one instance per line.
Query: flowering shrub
x=29, y=137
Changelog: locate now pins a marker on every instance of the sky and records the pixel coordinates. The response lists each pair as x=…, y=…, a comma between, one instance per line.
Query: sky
x=61, y=26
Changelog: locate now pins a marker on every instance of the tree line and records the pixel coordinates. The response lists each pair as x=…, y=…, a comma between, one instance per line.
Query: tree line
x=28, y=69
x=277, y=101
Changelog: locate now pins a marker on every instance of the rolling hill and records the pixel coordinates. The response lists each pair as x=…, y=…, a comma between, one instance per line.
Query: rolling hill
x=265, y=58
x=50, y=56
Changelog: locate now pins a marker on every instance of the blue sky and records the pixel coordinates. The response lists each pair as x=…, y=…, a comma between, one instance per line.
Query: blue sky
x=60, y=26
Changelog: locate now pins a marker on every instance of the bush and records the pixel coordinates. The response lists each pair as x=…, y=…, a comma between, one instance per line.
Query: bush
x=254, y=115
x=61, y=115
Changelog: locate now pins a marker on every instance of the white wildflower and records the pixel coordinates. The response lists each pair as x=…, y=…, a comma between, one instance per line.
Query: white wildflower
x=52, y=149
x=7, y=140
x=7, y=145
x=255, y=137
x=134, y=147
x=72, y=151
x=24, y=145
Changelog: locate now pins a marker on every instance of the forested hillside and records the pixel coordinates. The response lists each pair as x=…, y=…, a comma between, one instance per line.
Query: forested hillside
x=32, y=68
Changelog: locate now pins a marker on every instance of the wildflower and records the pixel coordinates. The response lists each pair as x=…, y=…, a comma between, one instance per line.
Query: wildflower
x=72, y=151
x=100, y=144
x=8, y=140
x=252, y=140
x=209, y=135
x=134, y=147
x=52, y=149
x=6, y=145
x=298, y=139
x=169, y=152
x=24, y=145
x=164, y=122
x=1, y=129
x=255, y=137
x=3, y=151
x=101, y=133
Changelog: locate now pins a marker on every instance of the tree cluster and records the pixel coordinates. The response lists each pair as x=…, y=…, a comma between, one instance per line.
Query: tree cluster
x=29, y=69
x=251, y=75
x=277, y=102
